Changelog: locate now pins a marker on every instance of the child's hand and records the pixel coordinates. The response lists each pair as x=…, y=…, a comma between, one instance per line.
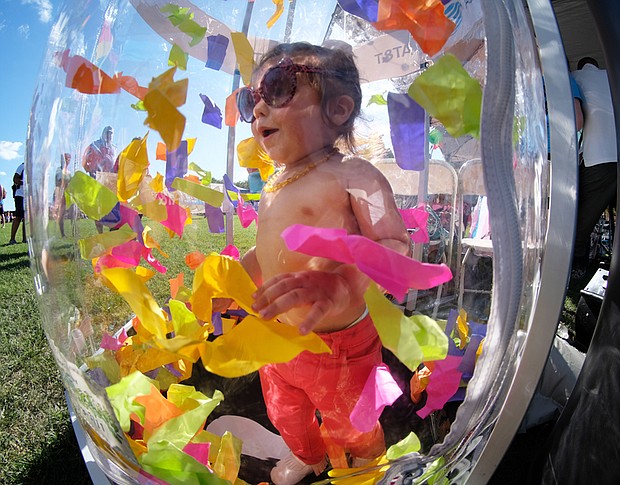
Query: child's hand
x=221, y=304
x=324, y=291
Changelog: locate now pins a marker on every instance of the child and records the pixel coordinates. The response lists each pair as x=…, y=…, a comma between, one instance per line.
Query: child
x=304, y=99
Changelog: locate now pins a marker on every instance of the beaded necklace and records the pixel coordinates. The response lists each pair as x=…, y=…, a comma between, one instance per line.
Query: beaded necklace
x=272, y=186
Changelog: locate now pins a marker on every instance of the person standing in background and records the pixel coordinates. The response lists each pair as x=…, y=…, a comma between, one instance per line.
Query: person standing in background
x=2, y=197
x=598, y=163
x=100, y=157
x=63, y=175
x=18, y=196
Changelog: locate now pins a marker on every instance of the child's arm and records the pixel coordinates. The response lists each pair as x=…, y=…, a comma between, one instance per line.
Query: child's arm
x=373, y=204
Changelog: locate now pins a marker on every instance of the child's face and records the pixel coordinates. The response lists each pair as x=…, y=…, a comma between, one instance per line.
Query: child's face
x=291, y=132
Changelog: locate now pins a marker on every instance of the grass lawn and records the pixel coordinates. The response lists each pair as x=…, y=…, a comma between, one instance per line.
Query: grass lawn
x=37, y=444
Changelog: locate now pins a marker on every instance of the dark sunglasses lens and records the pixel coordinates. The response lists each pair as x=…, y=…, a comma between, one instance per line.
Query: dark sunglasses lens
x=278, y=87
x=245, y=104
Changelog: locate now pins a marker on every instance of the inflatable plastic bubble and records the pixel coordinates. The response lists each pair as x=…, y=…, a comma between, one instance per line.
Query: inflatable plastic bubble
x=144, y=226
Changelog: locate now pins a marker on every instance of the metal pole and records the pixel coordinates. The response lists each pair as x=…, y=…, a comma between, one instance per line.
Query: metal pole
x=418, y=248
x=230, y=151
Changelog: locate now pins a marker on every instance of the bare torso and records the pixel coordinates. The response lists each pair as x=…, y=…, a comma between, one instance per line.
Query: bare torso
x=350, y=195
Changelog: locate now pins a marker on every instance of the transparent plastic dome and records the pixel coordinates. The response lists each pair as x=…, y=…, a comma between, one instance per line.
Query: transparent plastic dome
x=125, y=310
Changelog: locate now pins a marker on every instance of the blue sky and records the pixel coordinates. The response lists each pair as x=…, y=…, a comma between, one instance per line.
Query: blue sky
x=24, y=28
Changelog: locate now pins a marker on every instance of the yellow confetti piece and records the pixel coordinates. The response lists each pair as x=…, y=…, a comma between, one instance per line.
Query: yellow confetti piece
x=144, y=274
x=161, y=101
x=99, y=244
x=131, y=287
x=155, y=210
x=191, y=143
x=200, y=192
x=245, y=56
x=150, y=242
x=228, y=460
x=254, y=343
x=276, y=15
x=451, y=95
x=132, y=167
x=409, y=444
x=93, y=198
x=157, y=184
x=251, y=155
x=107, y=363
x=411, y=339
x=462, y=328
x=220, y=277
x=357, y=476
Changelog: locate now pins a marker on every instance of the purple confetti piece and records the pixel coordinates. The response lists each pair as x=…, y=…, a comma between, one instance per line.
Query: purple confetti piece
x=211, y=115
x=112, y=218
x=407, y=131
x=176, y=164
x=215, y=218
x=365, y=9
x=216, y=320
x=216, y=51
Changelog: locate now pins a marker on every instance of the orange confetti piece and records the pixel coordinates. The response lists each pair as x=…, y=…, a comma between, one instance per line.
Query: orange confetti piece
x=130, y=85
x=160, y=152
x=424, y=19
x=175, y=284
x=194, y=259
x=85, y=77
x=157, y=409
x=231, y=113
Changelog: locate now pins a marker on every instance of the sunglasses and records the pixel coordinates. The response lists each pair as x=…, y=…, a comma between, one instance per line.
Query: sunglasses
x=277, y=88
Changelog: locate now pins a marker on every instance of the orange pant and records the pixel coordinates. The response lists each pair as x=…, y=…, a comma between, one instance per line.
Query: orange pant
x=330, y=383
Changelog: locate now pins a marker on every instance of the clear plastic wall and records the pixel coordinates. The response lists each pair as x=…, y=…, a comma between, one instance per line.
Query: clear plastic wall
x=99, y=292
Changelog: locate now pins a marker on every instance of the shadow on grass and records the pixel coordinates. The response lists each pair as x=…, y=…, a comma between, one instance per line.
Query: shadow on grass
x=60, y=463
x=19, y=264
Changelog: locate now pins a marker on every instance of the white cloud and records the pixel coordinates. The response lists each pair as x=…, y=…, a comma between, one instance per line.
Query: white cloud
x=9, y=150
x=24, y=30
x=44, y=8
x=2, y=174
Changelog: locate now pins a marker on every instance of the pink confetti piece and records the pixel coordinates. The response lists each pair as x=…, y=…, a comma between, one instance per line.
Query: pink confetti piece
x=379, y=391
x=177, y=215
x=232, y=251
x=393, y=271
x=443, y=384
x=199, y=451
x=416, y=218
x=246, y=213
x=110, y=343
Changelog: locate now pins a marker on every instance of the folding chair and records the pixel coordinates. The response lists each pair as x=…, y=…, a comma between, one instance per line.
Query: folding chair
x=471, y=183
x=442, y=180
